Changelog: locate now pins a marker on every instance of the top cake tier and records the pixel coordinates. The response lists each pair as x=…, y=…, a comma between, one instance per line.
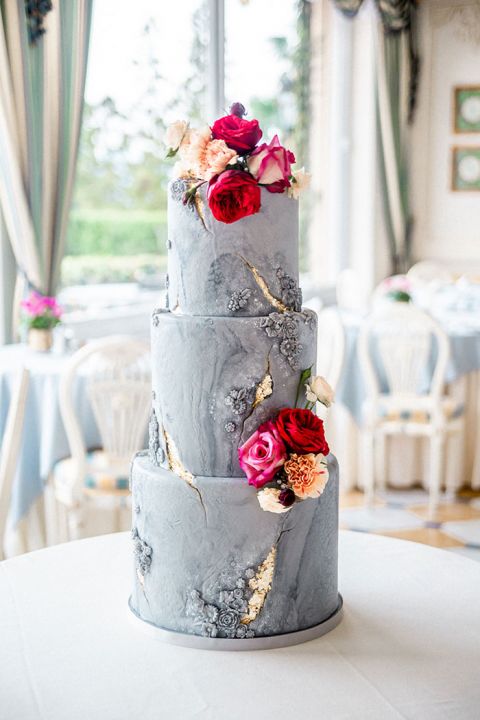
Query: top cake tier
x=249, y=267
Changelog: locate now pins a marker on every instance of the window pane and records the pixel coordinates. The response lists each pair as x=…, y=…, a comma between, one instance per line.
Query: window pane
x=140, y=78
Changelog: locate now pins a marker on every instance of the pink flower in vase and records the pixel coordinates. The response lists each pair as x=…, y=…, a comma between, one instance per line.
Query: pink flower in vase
x=262, y=455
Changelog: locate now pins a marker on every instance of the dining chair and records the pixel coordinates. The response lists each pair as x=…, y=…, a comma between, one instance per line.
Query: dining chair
x=114, y=373
x=10, y=446
x=426, y=271
x=403, y=355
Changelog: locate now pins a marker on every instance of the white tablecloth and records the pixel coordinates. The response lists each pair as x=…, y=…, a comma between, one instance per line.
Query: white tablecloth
x=408, y=646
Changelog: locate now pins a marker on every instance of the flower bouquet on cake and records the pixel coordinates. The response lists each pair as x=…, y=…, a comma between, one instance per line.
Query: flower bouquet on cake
x=285, y=459
x=229, y=157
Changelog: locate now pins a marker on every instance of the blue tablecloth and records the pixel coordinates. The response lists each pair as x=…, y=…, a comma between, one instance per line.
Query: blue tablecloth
x=464, y=359
x=43, y=438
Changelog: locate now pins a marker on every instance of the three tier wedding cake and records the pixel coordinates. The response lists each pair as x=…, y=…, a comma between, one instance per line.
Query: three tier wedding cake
x=235, y=503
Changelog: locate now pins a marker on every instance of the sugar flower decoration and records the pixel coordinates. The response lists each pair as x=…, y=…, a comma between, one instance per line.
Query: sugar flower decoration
x=317, y=389
x=307, y=475
x=269, y=499
x=300, y=181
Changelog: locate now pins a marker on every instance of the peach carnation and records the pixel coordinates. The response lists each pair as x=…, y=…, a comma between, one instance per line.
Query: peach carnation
x=193, y=154
x=217, y=156
x=307, y=474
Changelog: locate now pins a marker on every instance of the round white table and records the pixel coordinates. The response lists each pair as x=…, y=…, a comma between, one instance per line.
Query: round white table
x=408, y=646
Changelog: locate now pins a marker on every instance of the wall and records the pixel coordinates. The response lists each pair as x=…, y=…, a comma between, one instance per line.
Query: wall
x=447, y=224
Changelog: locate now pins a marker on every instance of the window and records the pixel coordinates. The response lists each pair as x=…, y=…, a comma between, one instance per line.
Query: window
x=150, y=64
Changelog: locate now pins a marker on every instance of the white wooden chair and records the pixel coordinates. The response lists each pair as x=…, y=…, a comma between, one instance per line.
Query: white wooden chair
x=427, y=271
x=115, y=372
x=10, y=447
x=396, y=342
x=330, y=346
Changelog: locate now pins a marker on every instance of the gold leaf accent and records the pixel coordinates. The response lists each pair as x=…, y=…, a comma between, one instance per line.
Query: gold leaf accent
x=198, y=200
x=174, y=462
x=264, y=390
x=261, y=585
x=277, y=304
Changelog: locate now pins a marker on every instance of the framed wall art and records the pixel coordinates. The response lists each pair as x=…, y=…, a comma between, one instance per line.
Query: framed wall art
x=466, y=109
x=466, y=169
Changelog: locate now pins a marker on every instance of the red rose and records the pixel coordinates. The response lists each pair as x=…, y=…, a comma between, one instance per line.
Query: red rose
x=239, y=134
x=232, y=195
x=302, y=431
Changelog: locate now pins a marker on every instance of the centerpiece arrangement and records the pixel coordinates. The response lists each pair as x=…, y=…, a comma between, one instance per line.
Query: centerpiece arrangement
x=230, y=159
x=41, y=314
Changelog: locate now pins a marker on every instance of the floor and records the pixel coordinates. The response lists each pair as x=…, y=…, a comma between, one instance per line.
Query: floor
x=403, y=514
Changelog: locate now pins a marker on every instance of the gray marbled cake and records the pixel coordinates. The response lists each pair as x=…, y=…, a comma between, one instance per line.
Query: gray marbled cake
x=228, y=355
x=211, y=265
x=204, y=397
x=199, y=546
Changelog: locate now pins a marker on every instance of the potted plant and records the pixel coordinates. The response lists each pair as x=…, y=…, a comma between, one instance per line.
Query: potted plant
x=41, y=314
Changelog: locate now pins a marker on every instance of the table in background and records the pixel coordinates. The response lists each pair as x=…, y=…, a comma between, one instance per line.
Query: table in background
x=408, y=646
x=463, y=377
x=43, y=439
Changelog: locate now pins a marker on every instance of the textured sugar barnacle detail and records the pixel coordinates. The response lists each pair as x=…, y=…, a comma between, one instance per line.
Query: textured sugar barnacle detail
x=238, y=604
x=290, y=292
x=284, y=327
x=155, y=450
x=239, y=399
x=143, y=555
x=239, y=299
x=177, y=189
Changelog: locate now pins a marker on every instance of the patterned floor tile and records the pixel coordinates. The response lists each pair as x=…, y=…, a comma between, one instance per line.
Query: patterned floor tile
x=356, y=498
x=468, y=531
x=447, y=512
x=381, y=518
x=426, y=536
x=472, y=553
x=401, y=498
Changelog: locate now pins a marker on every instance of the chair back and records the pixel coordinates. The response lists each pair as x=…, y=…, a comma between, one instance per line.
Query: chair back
x=404, y=349
x=330, y=346
x=426, y=271
x=115, y=372
x=10, y=447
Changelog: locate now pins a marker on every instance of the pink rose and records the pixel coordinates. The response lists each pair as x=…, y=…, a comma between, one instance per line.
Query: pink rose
x=270, y=165
x=262, y=455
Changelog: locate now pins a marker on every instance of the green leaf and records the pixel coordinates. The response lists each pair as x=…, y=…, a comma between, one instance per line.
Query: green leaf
x=171, y=153
x=305, y=374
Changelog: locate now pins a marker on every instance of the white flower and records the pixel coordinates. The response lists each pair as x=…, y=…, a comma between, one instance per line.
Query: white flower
x=176, y=134
x=268, y=499
x=300, y=182
x=318, y=390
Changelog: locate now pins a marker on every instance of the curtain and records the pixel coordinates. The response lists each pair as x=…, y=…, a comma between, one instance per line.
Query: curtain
x=397, y=68
x=42, y=82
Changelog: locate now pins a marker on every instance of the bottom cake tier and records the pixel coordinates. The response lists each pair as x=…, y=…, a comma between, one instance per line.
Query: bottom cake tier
x=210, y=562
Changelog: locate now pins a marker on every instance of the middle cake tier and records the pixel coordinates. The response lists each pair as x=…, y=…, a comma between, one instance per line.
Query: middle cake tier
x=216, y=379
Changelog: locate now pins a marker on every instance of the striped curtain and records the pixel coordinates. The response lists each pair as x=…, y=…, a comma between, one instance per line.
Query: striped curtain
x=41, y=100
x=397, y=68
